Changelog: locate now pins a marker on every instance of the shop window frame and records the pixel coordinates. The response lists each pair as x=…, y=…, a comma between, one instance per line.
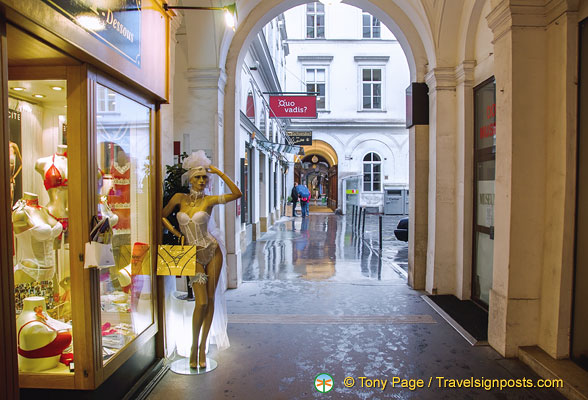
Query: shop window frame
x=95, y=77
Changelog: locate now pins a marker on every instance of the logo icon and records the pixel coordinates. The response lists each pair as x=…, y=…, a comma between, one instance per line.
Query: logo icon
x=323, y=383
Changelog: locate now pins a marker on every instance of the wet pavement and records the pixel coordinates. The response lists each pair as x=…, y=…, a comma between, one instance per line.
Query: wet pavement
x=316, y=299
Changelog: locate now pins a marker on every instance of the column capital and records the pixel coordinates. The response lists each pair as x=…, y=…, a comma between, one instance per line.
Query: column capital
x=175, y=24
x=206, y=78
x=510, y=14
x=464, y=72
x=441, y=78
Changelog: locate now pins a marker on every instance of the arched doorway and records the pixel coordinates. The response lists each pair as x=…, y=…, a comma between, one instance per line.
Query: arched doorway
x=318, y=170
x=420, y=56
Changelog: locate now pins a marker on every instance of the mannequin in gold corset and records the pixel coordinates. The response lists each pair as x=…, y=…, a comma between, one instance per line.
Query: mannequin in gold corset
x=53, y=171
x=34, y=230
x=15, y=158
x=194, y=213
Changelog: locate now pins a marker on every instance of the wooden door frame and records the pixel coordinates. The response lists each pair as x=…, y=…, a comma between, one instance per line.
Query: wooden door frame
x=9, y=385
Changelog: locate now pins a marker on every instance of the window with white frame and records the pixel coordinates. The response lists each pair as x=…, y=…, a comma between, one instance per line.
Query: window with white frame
x=105, y=100
x=372, y=172
x=316, y=81
x=371, y=92
x=371, y=26
x=315, y=21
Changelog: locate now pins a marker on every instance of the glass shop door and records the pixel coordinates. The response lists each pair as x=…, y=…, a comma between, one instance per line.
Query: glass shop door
x=484, y=178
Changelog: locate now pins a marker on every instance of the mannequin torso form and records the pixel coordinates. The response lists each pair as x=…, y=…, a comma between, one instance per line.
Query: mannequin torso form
x=35, y=231
x=53, y=170
x=41, y=339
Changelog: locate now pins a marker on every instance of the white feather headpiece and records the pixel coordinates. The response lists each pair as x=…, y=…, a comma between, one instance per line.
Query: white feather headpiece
x=195, y=163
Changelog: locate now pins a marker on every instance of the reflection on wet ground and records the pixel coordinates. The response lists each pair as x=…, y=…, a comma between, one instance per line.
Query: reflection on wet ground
x=325, y=247
x=317, y=300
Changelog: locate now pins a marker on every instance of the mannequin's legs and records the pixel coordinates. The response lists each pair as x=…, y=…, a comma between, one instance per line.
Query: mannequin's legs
x=213, y=270
x=200, y=308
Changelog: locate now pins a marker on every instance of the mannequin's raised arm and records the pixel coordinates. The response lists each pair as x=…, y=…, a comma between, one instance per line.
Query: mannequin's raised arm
x=167, y=210
x=235, y=192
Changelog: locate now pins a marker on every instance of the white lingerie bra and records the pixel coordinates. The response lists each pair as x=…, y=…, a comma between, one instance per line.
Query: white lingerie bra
x=35, y=246
x=195, y=230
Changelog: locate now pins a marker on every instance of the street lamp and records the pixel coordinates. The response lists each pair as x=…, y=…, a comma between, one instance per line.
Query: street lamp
x=230, y=12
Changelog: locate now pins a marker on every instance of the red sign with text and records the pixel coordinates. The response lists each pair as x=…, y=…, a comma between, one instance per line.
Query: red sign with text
x=292, y=106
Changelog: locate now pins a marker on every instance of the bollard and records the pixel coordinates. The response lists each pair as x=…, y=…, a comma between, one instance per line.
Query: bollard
x=363, y=223
x=380, y=233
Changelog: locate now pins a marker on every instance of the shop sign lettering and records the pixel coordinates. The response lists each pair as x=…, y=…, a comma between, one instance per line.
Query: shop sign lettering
x=116, y=23
x=292, y=106
x=489, y=130
x=301, y=138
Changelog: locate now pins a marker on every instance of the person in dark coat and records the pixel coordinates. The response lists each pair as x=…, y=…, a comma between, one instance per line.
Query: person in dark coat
x=294, y=196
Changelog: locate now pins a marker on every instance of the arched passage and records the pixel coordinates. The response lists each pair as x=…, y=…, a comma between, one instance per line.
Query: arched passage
x=400, y=16
x=319, y=170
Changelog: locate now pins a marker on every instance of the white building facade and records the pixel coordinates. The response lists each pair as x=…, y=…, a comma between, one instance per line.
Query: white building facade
x=360, y=73
x=263, y=165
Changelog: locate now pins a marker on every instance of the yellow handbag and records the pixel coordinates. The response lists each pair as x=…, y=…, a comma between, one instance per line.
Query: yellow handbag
x=176, y=260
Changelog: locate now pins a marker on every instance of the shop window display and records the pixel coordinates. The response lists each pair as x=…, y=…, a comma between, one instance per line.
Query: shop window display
x=123, y=145
x=39, y=197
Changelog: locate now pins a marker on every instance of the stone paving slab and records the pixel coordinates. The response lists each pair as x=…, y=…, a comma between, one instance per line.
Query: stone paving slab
x=304, y=274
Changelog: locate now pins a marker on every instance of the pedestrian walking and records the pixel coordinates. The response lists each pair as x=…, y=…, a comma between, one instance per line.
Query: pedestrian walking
x=294, y=196
x=304, y=198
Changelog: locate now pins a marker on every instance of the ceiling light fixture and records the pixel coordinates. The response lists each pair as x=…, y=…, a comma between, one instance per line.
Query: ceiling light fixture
x=18, y=88
x=39, y=96
x=57, y=88
x=230, y=12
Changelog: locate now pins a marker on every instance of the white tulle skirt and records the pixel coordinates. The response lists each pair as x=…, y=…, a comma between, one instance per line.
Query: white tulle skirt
x=179, y=312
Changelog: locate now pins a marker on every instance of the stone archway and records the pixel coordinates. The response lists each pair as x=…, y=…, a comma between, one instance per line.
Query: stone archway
x=400, y=16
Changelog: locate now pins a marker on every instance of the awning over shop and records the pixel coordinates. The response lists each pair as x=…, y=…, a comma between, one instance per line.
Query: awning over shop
x=282, y=148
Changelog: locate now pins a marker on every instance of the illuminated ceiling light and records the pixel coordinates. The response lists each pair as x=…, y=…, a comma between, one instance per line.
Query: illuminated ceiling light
x=39, y=96
x=90, y=23
x=330, y=2
x=231, y=15
x=57, y=88
x=18, y=88
x=230, y=12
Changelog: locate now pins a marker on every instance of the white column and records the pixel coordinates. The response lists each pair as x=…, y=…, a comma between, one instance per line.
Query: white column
x=464, y=74
x=440, y=277
x=418, y=207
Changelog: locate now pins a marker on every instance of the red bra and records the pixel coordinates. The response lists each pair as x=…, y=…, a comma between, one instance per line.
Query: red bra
x=52, y=349
x=53, y=177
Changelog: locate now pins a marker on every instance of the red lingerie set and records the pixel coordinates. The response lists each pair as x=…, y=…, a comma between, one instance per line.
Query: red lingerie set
x=119, y=197
x=52, y=180
x=52, y=349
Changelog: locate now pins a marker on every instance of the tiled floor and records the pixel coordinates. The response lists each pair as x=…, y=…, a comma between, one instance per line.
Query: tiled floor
x=316, y=299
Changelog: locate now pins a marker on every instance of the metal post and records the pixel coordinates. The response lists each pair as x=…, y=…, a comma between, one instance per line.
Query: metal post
x=380, y=233
x=363, y=223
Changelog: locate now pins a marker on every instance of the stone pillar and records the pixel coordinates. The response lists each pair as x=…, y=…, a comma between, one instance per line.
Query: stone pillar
x=464, y=75
x=440, y=276
x=418, y=206
x=256, y=194
x=520, y=67
x=167, y=110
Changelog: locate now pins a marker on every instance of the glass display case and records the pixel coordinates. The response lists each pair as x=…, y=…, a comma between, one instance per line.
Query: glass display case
x=123, y=188
x=39, y=200
x=77, y=326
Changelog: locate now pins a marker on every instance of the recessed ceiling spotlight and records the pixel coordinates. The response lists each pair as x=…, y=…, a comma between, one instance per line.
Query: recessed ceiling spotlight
x=39, y=96
x=18, y=88
x=57, y=88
